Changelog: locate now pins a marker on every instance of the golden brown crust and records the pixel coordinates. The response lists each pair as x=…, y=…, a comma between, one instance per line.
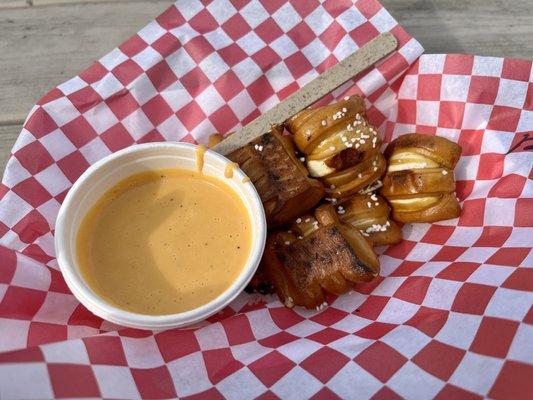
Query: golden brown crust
x=419, y=183
x=279, y=177
x=320, y=255
x=410, y=183
x=391, y=236
x=446, y=207
x=345, y=183
x=340, y=147
x=439, y=149
x=326, y=214
x=307, y=126
x=370, y=215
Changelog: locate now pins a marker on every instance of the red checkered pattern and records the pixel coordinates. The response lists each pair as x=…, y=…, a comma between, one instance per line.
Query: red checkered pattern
x=450, y=316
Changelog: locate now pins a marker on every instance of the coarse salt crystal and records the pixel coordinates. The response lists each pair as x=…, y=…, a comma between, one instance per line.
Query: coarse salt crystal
x=369, y=204
x=332, y=148
x=287, y=243
x=373, y=197
x=307, y=219
x=346, y=97
x=344, y=109
x=359, y=175
x=324, y=122
x=444, y=172
x=332, y=186
x=302, y=159
x=375, y=168
x=376, y=203
x=289, y=302
x=298, y=220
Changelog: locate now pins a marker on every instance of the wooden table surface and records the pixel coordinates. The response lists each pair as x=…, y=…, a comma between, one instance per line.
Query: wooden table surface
x=46, y=42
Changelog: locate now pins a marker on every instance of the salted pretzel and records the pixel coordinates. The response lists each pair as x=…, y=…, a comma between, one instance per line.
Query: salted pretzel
x=370, y=214
x=279, y=176
x=419, y=183
x=340, y=147
x=319, y=254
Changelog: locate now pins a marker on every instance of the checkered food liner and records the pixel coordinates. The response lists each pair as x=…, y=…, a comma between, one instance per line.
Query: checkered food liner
x=451, y=314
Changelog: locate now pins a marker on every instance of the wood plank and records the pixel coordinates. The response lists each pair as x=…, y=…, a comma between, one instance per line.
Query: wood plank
x=38, y=3
x=42, y=47
x=13, y=4
x=482, y=27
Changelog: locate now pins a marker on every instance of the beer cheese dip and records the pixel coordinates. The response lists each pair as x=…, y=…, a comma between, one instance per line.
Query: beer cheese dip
x=164, y=241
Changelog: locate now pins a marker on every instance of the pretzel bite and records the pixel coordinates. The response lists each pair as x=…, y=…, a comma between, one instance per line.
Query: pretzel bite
x=279, y=177
x=339, y=145
x=419, y=183
x=319, y=255
x=370, y=215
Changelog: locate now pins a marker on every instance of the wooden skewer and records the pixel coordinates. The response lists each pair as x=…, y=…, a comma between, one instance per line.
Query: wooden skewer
x=355, y=63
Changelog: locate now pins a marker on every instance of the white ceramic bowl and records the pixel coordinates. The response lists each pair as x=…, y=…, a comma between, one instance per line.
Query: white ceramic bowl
x=109, y=171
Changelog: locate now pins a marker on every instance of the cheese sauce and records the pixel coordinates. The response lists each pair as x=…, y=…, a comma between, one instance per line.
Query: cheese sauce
x=200, y=151
x=230, y=167
x=165, y=241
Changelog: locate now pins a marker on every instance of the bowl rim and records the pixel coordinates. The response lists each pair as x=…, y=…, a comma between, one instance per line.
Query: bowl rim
x=97, y=305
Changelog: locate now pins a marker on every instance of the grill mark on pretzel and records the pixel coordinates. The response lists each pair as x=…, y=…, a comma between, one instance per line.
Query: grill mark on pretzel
x=279, y=177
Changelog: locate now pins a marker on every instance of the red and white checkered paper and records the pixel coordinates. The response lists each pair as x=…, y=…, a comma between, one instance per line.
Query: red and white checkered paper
x=451, y=314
